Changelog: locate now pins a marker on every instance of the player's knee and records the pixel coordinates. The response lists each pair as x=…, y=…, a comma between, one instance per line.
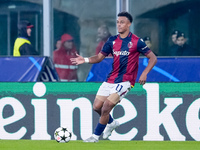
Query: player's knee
x=105, y=111
x=97, y=105
x=96, y=108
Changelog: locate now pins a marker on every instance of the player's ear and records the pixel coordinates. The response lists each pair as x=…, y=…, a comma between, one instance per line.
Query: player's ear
x=129, y=24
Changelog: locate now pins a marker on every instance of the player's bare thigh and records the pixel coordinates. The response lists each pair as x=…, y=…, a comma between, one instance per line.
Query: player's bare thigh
x=98, y=102
x=113, y=98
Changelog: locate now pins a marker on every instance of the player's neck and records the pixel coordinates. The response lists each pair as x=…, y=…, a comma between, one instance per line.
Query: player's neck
x=124, y=35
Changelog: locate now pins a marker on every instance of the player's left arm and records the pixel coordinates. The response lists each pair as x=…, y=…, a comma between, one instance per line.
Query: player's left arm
x=152, y=61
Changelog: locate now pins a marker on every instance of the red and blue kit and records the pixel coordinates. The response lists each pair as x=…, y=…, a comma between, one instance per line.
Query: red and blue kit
x=126, y=54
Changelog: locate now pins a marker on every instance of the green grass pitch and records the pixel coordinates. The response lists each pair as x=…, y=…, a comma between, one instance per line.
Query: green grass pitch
x=101, y=145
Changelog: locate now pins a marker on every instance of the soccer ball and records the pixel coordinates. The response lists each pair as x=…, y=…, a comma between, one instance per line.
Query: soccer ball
x=62, y=135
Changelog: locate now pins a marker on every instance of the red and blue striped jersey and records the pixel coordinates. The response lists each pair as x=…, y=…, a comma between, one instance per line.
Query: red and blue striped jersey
x=126, y=57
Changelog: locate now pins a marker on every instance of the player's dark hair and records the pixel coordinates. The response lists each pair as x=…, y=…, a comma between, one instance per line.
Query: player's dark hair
x=125, y=14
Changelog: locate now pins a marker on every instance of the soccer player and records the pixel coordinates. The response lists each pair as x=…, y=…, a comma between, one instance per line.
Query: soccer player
x=125, y=48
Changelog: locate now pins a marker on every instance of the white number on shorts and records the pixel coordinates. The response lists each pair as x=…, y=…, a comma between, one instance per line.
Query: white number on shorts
x=119, y=87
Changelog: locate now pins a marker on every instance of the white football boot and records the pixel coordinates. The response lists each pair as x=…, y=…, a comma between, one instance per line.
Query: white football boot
x=91, y=139
x=109, y=128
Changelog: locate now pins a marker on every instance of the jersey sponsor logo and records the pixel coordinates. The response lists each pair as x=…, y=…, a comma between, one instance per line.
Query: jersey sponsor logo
x=117, y=53
x=130, y=44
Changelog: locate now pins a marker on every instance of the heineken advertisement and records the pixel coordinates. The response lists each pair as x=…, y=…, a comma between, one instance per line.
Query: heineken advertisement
x=155, y=111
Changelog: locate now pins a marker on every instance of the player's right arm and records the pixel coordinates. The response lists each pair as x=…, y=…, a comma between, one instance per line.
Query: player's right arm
x=106, y=50
x=92, y=60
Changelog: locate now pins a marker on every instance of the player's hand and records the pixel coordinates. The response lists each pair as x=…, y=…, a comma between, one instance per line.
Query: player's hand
x=78, y=60
x=142, y=79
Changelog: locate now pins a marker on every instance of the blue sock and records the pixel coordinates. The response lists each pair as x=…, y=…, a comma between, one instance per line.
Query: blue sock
x=110, y=119
x=99, y=129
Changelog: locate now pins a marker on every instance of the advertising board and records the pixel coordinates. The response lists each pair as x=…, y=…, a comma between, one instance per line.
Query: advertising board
x=155, y=111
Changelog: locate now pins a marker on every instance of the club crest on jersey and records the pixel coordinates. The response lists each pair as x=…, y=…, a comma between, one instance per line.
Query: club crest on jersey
x=130, y=44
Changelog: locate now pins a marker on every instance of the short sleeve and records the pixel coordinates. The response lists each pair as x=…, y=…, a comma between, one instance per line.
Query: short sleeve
x=107, y=48
x=142, y=47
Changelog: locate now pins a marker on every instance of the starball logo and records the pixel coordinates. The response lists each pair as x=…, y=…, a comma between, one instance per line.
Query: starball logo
x=124, y=53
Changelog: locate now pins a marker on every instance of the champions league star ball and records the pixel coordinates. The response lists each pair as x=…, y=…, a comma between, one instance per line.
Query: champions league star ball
x=62, y=135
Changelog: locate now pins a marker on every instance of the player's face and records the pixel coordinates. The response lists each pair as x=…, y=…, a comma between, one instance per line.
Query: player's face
x=29, y=31
x=123, y=24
